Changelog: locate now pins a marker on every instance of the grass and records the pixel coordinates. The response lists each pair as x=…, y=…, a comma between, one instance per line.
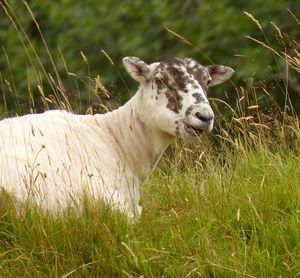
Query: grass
x=240, y=218
x=225, y=209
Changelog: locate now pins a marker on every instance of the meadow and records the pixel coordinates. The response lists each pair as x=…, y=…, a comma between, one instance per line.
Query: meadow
x=227, y=205
x=229, y=214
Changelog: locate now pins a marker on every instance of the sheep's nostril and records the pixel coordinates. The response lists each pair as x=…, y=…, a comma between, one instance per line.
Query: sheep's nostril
x=203, y=118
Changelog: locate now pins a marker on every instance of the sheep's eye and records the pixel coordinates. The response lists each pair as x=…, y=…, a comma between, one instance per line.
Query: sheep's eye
x=159, y=81
x=161, y=84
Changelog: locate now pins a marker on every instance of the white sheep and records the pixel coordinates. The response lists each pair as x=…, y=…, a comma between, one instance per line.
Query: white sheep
x=55, y=157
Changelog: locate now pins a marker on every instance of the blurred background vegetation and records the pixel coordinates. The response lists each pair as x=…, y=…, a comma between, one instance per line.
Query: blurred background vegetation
x=76, y=31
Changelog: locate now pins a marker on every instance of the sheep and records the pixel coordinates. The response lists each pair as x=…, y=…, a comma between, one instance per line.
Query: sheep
x=55, y=157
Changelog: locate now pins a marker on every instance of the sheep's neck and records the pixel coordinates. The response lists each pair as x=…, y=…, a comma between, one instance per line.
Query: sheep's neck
x=139, y=145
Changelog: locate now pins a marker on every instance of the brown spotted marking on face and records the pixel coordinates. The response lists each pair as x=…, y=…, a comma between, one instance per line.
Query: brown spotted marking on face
x=174, y=101
x=199, y=72
x=198, y=98
x=175, y=77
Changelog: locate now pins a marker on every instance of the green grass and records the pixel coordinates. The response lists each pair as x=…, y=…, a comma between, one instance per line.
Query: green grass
x=236, y=215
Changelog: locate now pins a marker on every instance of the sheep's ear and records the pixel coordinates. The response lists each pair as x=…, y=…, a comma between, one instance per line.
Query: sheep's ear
x=219, y=74
x=137, y=69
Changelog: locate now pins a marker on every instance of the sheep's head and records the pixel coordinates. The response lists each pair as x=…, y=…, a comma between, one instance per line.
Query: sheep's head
x=174, y=93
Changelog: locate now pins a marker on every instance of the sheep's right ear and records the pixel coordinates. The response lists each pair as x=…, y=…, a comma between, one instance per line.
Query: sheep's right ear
x=137, y=69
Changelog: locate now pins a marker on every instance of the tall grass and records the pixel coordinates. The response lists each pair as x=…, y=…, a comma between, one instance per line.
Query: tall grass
x=227, y=205
x=235, y=218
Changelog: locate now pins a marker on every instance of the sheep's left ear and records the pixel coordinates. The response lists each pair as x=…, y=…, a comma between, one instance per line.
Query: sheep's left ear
x=219, y=74
x=137, y=69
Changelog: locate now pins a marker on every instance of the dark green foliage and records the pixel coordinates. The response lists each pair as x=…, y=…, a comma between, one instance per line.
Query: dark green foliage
x=216, y=29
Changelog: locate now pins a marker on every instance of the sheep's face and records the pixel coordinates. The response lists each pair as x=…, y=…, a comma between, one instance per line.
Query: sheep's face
x=174, y=94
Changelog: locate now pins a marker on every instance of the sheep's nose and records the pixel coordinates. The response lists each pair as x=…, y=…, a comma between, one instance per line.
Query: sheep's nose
x=204, y=117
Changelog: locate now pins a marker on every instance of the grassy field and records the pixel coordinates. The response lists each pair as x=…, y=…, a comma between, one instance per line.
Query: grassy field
x=235, y=213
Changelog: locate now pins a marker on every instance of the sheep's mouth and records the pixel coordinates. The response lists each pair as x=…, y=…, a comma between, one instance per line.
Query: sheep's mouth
x=192, y=130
